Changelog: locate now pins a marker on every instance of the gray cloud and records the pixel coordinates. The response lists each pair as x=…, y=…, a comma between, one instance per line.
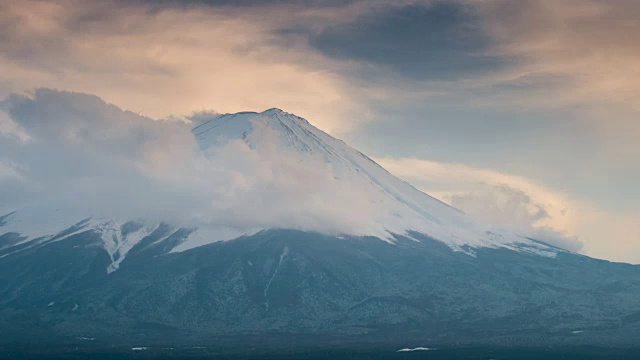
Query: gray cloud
x=247, y=3
x=442, y=40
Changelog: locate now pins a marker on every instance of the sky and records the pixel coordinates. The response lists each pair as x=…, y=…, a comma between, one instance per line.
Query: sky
x=521, y=113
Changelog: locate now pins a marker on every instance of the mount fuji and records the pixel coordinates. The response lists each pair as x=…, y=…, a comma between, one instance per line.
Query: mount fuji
x=411, y=270
x=395, y=207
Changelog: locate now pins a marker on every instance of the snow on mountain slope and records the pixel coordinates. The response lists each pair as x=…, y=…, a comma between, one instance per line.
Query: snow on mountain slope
x=393, y=207
x=118, y=241
x=402, y=208
x=41, y=224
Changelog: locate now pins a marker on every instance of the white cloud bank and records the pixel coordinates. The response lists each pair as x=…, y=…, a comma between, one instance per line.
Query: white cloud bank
x=526, y=207
x=80, y=152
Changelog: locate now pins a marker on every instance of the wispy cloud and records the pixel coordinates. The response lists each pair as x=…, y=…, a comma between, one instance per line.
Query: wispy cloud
x=591, y=45
x=175, y=59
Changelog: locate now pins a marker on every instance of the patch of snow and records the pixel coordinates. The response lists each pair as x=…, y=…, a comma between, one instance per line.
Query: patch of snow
x=419, y=348
x=118, y=245
x=285, y=252
x=209, y=234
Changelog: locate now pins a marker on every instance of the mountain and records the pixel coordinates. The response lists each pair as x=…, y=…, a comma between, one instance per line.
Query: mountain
x=403, y=207
x=412, y=271
x=394, y=207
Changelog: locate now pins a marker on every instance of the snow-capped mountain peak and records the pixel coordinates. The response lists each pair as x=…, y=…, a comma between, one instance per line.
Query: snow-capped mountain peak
x=392, y=207
x=403, y=208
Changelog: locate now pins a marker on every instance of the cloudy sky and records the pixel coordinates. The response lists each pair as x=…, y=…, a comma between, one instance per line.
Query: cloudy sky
x=523, y=113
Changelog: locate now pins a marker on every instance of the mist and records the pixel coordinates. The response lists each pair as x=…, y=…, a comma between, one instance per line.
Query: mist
x=67, y=150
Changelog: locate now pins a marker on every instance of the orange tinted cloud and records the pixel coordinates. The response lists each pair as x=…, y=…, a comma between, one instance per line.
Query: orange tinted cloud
x=173, y=60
